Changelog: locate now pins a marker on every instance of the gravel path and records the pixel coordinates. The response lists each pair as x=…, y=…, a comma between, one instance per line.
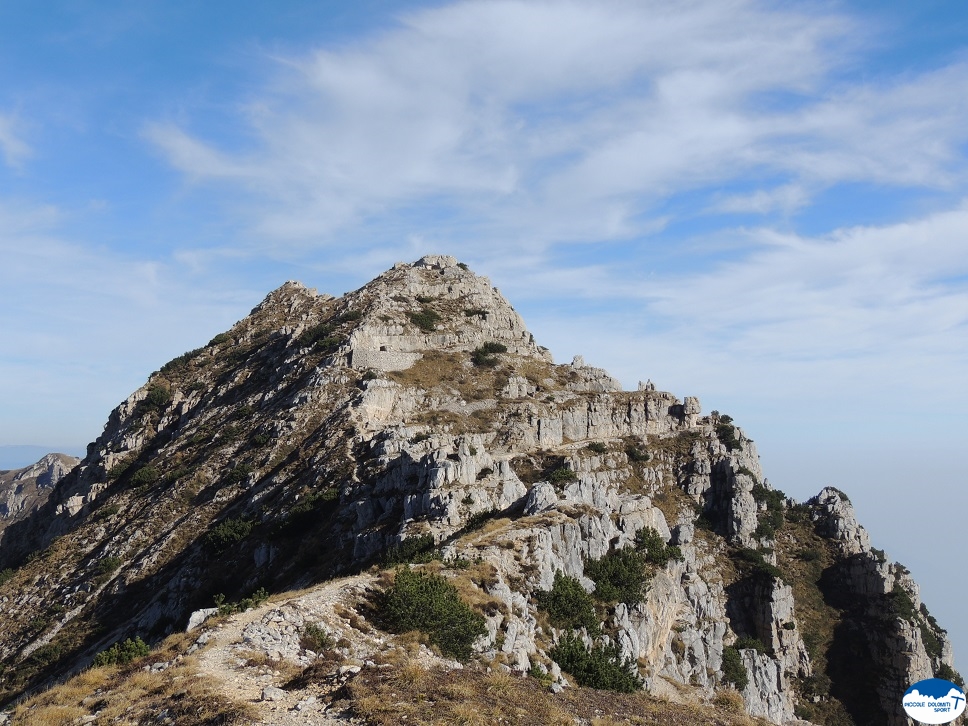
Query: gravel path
x=267, y=638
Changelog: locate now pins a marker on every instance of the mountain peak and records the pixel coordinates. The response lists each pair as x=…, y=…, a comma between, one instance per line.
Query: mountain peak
x=415, y=420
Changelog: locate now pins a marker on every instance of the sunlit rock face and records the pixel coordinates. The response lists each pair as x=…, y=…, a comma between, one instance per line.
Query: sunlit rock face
x=322, y=434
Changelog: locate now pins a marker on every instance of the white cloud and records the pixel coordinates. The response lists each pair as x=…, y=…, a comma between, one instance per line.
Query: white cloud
x=529, y=123
x=860, y=311
x=786, y=198
x=12, y=147
x=83, y=326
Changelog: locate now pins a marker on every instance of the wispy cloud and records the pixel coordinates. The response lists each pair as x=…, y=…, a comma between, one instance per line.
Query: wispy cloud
x=12, y=146
x=536, y=123
x=83, y=326
x=858, y=312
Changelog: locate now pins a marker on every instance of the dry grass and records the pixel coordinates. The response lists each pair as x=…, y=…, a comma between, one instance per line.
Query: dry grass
x=729, y=701
x=475, y=698
x=132, y=695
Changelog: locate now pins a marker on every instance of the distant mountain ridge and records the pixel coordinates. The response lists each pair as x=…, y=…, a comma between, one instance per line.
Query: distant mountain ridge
x=26, y=489
x=19, y=456
x=417, y=420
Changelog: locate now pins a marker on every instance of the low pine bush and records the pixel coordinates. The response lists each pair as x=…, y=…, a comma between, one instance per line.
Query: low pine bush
x=733, y=669
x=417, y=550
x=653, y=547
x=561, y=475
x=620, y=576
x=485, y=356
x=158, y=398
x=145, y=476
x=568, y=605
x=229, y=532
x=760, y=567
x=315, y=637
x=426, y=320
x=122, y=653
x=601, y=666
x=431, y=604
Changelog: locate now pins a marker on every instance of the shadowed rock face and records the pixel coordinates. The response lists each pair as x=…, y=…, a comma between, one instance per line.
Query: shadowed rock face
x=24, y=490
x=319, y=433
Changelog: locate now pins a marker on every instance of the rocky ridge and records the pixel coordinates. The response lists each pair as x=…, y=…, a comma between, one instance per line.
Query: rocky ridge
x=24, y=490
x=320, y=434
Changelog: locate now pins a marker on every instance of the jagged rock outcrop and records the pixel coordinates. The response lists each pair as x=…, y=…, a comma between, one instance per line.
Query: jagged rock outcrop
x=322, y=435
x=24, y=490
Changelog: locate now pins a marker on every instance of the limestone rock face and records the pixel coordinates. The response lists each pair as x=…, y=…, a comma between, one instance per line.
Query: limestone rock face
x=835, y=519
x=24, y=490
x=416, y=418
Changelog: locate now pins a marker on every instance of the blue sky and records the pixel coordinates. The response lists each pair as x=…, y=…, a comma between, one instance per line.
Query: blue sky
x=764, y=204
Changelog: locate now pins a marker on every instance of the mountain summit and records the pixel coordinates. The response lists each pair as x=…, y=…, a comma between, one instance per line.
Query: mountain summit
x=590, y=536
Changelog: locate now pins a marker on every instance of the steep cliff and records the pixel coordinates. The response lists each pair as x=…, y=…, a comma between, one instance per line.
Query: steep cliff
x=417, y=419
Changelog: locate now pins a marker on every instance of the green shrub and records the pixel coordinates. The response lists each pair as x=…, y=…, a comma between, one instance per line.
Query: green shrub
x=229, y=532
x=117, y=471
x=122, y=653
x=772, y=519
x=237, y=474
x=491, y=347
x=726, y=433
x=314, y=334
x=261, y=439
x=840, y=493
x=254, y=600
x=634, y=453
x=179, y=364
x=817, y=684
x=176, y=474
x=932, y=644
x=561, y=475
x=476, y=521
x=485, y=355
x=947, y=673
x=6, y=576
x=426, y=319
x=350, y=316
x=107, y=565
x=219, y=339
x=158, y=397
x=315, y=637
x=429, y=603
x=760, y=567
x=748, y=472
x=568, y=605
x=810, y=554
x=901, y=604
x=747, y=643
x=649, y=542
x=597, y=447
x=47, y=654
x=145, y=476
x=619, y=576
x=484, y=361
x=463, y=266
x=475, y=312
x=601, y=667
x=417, y=550
x=733, y=669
